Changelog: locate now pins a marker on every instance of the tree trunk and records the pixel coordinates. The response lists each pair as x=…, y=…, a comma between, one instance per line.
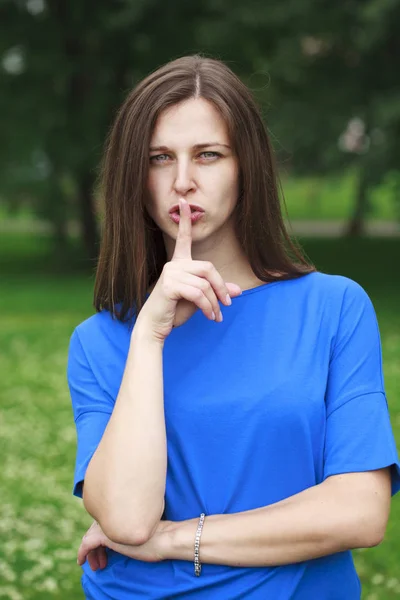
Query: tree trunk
x=60, y=236
x=89, y=232
x=56, y=212
x=357, y=220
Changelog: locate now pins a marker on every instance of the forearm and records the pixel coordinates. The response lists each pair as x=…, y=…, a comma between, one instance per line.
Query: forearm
x=125, y=480
x=316, y=522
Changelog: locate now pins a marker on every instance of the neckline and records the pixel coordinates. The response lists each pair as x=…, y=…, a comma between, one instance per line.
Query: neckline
x=257, y=288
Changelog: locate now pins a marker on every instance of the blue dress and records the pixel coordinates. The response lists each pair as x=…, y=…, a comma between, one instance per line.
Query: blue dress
x=285, y=392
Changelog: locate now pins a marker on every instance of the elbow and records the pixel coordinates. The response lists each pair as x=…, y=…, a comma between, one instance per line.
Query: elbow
x=375, y=535
x=364, y=507
x=370, y=531
x=126, y=533
x=376, y=523
x=130, y=527
x=117, y=530
x=89, y=506
x=122, y=529
x=375, y=541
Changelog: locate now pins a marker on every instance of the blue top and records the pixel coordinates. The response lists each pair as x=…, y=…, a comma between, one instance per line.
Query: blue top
x=285, y=392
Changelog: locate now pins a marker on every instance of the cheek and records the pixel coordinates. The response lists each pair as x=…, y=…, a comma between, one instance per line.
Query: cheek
x=228, y=183
x=153, y=185
x=151, y=198
x=156, y=191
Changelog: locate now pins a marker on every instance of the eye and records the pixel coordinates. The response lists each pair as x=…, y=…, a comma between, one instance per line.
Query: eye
x=213, y=154
x=158, y=157
x=207, y=154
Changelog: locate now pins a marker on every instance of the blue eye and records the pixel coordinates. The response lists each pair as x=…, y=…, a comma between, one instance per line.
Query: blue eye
x=157, y=158
x=210, y=152
x=163, y=157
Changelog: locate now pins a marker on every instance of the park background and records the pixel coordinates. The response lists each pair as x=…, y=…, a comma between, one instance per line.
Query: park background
x=326, y=76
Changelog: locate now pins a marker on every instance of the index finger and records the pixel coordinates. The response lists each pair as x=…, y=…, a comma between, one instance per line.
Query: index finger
x=183, y=245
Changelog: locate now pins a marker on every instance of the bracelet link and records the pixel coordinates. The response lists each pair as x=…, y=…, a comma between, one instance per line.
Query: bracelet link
x=197, y=564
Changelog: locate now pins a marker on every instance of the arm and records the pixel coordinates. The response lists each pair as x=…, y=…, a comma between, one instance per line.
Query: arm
x=344, y=512
x=125, y=480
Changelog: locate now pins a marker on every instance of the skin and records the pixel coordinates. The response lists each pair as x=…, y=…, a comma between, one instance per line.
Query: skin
x=344, y=512
x=207, y=176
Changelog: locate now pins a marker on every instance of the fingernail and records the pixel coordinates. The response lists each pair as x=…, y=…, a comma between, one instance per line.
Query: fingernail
x=228, y=299
x=213, y=316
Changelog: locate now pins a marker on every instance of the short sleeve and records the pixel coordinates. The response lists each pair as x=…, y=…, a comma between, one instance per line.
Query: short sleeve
x=91, y=407
x=359, y=435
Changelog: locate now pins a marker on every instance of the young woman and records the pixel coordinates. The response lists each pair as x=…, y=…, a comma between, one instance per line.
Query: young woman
x=234, y=438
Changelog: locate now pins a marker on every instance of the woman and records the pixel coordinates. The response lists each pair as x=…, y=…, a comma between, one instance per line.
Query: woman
x=234, y=439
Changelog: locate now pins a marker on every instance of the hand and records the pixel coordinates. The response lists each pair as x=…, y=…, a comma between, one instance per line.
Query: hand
x=94, y=543
x=93, y=548
x=184, y=286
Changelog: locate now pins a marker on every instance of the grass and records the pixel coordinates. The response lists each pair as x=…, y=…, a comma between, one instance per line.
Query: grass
x=332, y=197
x=41, y=524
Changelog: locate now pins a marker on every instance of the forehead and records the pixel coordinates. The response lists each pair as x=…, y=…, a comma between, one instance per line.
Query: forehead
x=185, y=123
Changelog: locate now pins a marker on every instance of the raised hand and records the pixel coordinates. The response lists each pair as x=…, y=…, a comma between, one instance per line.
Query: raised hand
x=184, y=286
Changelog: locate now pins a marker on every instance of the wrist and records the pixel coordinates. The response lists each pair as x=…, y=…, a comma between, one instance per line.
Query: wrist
x=143, y=333
x=180, y=544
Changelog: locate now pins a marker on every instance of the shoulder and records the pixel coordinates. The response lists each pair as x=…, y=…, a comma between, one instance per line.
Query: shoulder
x=98, y=349
x=100, y=331
x=335, y=288
x=329, y=282
x=344, y=305
x=330, y=298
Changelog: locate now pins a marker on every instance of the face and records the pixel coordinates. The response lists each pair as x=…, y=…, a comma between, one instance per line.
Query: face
x=206, y=175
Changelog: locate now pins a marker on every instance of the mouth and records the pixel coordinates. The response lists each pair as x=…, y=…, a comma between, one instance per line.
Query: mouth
x=195, y=208
x=195, y=216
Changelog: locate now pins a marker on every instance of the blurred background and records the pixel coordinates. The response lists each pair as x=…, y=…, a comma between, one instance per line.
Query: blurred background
x=326, y=75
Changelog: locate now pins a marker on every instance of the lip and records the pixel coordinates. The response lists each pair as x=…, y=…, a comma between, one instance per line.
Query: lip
x=175, y=216
x=193, y=208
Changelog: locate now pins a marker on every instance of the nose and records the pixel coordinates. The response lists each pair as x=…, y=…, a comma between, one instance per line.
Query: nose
x=184, y=176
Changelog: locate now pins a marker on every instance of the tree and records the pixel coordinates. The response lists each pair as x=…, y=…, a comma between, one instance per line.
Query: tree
x=67, y=67
x=77, y=65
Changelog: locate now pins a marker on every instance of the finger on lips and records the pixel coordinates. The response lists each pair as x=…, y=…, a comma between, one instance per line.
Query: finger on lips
x=183, y=244
x=183, y=250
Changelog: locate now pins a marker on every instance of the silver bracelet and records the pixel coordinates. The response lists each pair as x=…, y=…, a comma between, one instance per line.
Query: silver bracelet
x=197, y=565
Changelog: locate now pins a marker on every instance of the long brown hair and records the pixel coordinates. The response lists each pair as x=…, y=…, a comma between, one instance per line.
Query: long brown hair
x=132, y=253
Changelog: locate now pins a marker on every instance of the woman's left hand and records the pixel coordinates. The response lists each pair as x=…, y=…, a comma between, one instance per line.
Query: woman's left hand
x=93, y=547
x=94, y=543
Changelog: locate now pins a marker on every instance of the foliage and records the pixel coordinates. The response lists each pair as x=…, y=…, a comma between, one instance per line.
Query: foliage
x=313, y=66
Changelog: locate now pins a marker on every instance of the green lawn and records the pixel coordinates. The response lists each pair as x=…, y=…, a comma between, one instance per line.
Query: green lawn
x=40, y=522
x=332, y=197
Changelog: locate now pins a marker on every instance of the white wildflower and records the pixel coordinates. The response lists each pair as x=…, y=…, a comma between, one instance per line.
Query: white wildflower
x=378, y=579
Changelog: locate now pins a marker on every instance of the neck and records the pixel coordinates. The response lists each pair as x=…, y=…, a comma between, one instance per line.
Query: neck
x=225, y=253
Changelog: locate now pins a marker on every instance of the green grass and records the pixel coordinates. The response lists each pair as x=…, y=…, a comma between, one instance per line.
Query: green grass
x=332, y=197
x=41, y=524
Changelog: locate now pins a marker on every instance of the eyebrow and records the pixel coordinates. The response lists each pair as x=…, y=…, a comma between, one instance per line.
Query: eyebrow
x=195, y=147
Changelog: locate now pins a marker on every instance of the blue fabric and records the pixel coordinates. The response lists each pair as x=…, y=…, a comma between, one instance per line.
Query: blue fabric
x=285, y=392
